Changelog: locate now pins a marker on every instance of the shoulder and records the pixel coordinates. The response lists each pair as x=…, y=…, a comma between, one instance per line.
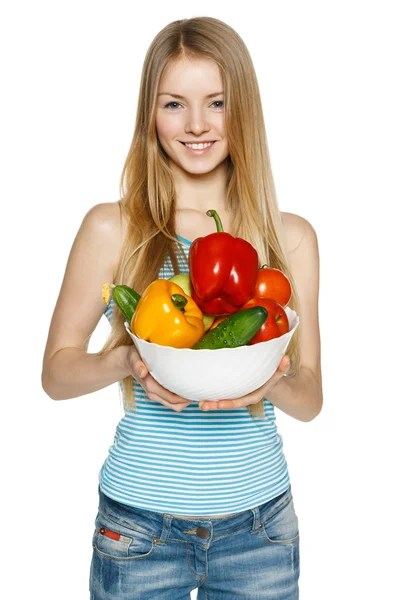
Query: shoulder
x=105, y=225
x=295, y=229
x=104, y=217
x=302, y=245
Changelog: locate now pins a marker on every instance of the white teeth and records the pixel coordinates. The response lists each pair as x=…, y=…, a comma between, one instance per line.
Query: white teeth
x=199, y=146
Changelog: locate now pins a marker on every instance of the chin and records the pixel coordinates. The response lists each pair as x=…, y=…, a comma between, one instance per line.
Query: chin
x=200, y=169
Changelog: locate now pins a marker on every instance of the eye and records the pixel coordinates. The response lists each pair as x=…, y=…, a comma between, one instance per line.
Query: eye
x=169, y=103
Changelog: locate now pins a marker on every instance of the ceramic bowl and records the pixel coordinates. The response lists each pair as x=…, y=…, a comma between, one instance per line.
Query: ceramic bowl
x=222, y=374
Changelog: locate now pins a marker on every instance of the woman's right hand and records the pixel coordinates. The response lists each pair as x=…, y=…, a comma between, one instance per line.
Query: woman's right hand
x=153, y=389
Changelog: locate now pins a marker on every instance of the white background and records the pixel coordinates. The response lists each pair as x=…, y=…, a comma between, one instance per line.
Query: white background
x=328, y=76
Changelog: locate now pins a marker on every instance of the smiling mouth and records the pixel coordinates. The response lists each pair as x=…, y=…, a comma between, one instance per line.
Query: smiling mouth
x=209, y=142
x=208, y=145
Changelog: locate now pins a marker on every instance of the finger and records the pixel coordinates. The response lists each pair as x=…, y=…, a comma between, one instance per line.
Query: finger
x=282, y=369
x=177, y=407
x=227, y=404
x=212, y=405
x=242, y=402
x=172, y=398
x=284, y=365
x=251, y=398
x=155, y=388
x=140, y=369
x=209, y=405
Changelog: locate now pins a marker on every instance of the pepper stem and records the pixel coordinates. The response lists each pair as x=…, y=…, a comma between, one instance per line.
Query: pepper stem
x=214, y=214
x=179, y=301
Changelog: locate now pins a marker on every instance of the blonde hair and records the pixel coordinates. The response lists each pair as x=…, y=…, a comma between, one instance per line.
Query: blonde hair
x=147, y=189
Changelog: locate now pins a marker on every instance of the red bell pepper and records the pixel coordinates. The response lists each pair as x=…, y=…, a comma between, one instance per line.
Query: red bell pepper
x=223, y=271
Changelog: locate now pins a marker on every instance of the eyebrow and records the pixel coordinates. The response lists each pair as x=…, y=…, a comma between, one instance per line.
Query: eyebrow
x=183, y=97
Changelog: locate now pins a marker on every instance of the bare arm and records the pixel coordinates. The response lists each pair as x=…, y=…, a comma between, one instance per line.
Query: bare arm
x=68, y=370
x=301, y=396
x=72, y=372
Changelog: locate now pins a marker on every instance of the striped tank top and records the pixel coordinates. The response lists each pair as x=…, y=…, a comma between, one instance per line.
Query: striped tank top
x=193, y=462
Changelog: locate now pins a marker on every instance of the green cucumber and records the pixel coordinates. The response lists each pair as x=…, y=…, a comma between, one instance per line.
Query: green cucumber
x=126, y=299
x=236, y=330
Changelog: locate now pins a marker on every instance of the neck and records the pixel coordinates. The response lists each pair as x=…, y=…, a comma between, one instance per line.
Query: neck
x=201, y=191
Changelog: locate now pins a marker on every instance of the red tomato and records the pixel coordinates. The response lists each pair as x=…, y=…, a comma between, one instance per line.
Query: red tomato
x=272, y=283
x=276, y=324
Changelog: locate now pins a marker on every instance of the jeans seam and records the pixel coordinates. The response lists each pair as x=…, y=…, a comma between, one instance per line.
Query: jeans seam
x=278, y=542
x=222, y=537
x=278, y=508
x=203, y=577
x=292, y=552
x=206, y=546
x=122, y=524
x=123, y=558
x=263, y=523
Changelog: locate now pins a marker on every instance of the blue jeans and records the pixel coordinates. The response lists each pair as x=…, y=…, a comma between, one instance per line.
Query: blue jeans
x=144, y=555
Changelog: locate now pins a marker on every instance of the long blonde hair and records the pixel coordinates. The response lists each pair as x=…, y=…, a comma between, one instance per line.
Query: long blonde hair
x=147, y=189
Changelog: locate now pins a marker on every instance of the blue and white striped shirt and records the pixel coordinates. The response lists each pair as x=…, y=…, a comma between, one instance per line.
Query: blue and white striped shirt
x=193, y=462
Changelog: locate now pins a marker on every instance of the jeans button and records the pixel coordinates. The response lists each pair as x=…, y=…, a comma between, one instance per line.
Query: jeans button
x=202, y=532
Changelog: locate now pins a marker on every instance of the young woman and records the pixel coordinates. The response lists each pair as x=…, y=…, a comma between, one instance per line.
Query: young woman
x=192, y=495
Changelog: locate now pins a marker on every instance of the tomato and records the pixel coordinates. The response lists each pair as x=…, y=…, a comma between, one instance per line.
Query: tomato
x=272, y=283
x=277, y=322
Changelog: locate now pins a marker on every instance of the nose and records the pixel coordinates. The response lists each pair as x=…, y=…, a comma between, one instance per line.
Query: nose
x=196, y=122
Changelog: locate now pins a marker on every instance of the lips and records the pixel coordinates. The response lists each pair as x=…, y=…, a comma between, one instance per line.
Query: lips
x=199, y=151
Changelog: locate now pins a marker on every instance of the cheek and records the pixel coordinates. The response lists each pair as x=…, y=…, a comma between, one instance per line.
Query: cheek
x=166, y=128
x=219, y=122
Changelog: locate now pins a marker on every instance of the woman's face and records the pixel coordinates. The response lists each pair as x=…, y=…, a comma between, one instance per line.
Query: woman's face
x=190, y=108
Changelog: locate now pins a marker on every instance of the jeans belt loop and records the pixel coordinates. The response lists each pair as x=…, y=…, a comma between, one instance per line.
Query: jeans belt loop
x=257, y=520
x=166, y=529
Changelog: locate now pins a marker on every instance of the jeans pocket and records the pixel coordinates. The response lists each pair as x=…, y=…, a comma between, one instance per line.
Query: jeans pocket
x=115, y=541
x=282, y=527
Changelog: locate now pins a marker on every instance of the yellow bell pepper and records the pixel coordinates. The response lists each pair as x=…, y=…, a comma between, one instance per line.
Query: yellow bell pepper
x=167, y=316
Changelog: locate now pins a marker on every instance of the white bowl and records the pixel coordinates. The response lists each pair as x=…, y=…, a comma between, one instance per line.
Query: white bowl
x=221, y=374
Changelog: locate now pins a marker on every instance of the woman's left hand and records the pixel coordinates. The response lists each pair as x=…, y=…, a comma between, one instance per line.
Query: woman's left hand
x=253, y=397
